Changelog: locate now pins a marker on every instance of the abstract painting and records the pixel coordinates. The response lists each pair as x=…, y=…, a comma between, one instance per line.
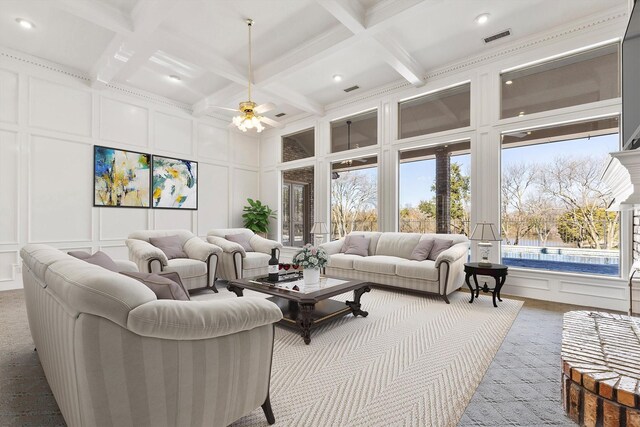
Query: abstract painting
x=121, y=178
x=175, y=183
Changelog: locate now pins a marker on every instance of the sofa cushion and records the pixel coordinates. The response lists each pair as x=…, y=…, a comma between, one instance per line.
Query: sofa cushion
x=170, y=245
x=99, y=258
x=343, y=261
x=187, y=268
x=422, y=250
x=255, y=260
x=242, y=239
x=397, y=244
x=347, y=241
x=379, y=264
x=425, y=270
x=165, y=285
x=439, y=246
x=358, y=247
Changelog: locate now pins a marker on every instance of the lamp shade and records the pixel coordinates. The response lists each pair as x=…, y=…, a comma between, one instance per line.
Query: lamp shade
x=485, y=231
x=319, y=228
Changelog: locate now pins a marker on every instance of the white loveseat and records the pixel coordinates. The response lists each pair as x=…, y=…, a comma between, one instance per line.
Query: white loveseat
x=114, y=355
x=235, y=261
x=388, y=263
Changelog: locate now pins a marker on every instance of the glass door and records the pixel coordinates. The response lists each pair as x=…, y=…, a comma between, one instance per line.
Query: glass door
x=295, y=218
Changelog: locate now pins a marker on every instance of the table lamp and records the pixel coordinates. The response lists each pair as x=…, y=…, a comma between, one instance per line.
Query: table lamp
x=485, y=233
x=319, y=230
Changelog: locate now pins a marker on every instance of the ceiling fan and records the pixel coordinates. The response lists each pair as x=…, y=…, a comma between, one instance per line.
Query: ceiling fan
x=250, y=113
x=351, y=161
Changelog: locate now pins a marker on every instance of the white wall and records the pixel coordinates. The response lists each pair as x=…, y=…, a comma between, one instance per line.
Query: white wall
x=484, y=132
x=49, y=120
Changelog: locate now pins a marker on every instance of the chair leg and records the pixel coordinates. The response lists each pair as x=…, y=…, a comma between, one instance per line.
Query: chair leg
x=445, y=298
x=268, y=412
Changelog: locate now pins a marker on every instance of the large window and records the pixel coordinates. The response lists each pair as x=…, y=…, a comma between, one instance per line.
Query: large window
x=356, y=131
x=435, y=112
x=354, y=196
x=296, y=211
x=553, y=202
x=300, y=145
x=572, y=80
x=434, y=189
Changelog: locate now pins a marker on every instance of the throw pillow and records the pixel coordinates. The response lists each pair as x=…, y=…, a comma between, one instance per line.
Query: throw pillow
x=439, y=245
x=99, y=258
x=242, y=239
x=170, y=245
x=358, y=247
x=165, y=285
x=347, y=241
x=422, y=250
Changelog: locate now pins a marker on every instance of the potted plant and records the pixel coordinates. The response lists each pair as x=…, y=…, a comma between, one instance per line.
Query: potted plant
x=311, y=259
x=256, y=217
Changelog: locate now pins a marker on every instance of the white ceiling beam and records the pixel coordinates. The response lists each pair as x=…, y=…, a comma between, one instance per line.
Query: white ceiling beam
x=353, y=17
x=294, y=98
x=126, y=53
x=98, y=13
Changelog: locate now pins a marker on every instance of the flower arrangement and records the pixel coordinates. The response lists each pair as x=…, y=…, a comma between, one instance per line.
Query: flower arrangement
x=311, y=257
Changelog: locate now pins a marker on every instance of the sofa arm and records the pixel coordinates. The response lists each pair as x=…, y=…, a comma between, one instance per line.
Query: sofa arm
x=226, y=245
x=334, y=247
x=260, y=244
x=144, y=253
x=126, y=266
x=453, y=254
x=195, y=320
x=196, y=248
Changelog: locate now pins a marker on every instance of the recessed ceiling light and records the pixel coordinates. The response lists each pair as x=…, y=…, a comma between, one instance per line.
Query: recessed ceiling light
x=337, y=78
x=174, y=78
x=521, y=113
x=509, y=82
x=25, y=24
x=482, y=19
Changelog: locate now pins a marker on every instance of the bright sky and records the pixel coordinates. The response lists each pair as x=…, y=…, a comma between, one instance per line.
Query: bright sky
x=416, y=178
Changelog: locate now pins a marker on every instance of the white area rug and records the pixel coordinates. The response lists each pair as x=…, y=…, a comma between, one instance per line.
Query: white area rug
x=414, y=361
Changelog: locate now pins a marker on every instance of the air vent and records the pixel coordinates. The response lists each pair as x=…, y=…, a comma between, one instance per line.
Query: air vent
x=349, y=89
x=495, y=37
x=281, y=114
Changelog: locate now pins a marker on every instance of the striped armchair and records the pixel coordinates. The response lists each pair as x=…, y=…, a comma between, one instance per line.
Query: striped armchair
x=114, y=355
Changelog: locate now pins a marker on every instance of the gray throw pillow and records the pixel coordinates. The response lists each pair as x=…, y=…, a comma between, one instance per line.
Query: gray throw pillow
x=242, y=239
x=422, y=250
x=358, y=247
x=347, y=241
x=165, y=285
x=170, y=245
x=439, y=245
x=99, y=258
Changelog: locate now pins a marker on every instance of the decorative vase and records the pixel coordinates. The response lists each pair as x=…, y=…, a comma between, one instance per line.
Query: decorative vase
x=311, y=276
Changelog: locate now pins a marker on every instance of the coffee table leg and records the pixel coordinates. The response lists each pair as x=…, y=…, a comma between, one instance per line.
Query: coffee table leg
x=355, y=304
x=305, y=321
x=235, y=289
x=473, y=292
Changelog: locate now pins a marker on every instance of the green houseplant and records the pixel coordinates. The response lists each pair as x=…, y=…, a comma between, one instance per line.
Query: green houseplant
x=256, y=216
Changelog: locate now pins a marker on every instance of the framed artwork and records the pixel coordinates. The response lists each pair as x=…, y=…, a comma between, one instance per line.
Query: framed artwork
x=174, y=184
x=121, y=178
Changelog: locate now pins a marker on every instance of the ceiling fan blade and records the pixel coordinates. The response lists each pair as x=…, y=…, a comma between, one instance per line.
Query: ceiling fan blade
x=270, y=122
x=235, y=110
x=263, y=108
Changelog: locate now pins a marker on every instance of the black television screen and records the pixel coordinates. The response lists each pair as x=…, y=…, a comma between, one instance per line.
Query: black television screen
x=631, y=82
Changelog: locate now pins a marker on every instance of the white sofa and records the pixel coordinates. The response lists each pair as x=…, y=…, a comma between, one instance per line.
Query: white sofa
x=114, y=355
x=235, y=261
x=196, y=272
x=388, y=263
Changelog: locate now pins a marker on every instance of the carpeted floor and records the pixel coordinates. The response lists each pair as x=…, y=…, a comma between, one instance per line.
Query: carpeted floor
x=529, y=398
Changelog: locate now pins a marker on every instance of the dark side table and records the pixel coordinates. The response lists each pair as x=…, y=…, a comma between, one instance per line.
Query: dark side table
x=497, y=271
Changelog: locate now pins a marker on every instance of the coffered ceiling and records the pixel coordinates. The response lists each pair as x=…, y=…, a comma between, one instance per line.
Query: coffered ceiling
x=299, y=45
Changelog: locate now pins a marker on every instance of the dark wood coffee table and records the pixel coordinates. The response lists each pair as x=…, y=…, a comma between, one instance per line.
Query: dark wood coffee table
x=310, y=307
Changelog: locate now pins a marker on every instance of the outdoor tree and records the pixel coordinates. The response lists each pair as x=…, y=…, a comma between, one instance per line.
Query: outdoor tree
x=354, y=198
x=517, y=181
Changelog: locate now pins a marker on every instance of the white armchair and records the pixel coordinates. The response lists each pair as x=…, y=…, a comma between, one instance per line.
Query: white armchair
x=196, y=272
x=235, y=261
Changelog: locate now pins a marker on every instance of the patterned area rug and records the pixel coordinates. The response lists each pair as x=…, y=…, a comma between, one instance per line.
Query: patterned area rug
x=413, y=361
